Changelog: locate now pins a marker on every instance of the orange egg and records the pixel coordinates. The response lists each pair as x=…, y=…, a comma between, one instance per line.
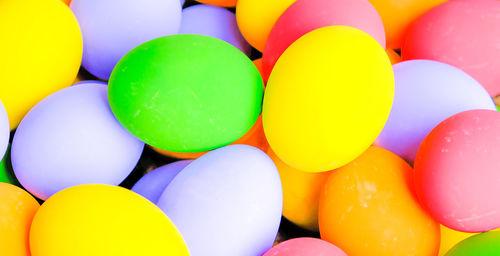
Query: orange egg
x=369, y=207
x=17, y=209
x=301, y=191
x=398, y=15
x=393, y=56
x=223, y=3
x=254, y=137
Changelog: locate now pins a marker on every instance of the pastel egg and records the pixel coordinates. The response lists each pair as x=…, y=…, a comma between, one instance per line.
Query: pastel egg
x=319, y=113
x=213, y=21
x=223, y=3
x=152, y=185
x=426, y=93
x=17, y=209
x=305, y=246
x=485, y=244
x=227, y=202
x=256, y=18
x=456, y=171
x=41, y=49
x=369, y=207
x=103, y=220
x=4, y=130
x=465, y=34
x=202, y=93
x=301, y=191
x=304, y=16
x=110, y=31
x=72, y=138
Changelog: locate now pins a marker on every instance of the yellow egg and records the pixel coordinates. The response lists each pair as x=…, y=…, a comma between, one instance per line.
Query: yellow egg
x=328, y=98
x=301, y=192
x=17, y=209
x=369, y=207
x=256, y=18
x=103, y=220
x=40, y=49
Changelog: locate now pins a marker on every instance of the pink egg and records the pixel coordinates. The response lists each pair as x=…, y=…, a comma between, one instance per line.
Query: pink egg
x=307, y=15
x=457, y=171
x=305, y=246
x=463, y=33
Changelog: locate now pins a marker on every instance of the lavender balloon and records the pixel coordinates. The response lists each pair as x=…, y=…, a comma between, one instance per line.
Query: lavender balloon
x=4, y=130
x=72, y=138
x=213, y=21
x=227, y=202
x=111, y=28
x=426, y=93
x=152, y=185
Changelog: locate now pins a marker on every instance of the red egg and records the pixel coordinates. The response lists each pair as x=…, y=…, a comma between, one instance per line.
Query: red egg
x=305, y=246
x=457, y=171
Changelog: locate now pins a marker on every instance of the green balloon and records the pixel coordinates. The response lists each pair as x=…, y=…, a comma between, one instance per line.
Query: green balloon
x=186, y=93
x=6, y=172
x=484, y=244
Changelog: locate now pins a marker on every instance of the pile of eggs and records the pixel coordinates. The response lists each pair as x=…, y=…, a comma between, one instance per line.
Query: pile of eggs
x=249, y=127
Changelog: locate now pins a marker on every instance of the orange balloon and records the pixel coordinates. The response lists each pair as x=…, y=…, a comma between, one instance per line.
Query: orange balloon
x=223, y=3
x=17, y=209
x=393, y=56
x=398, y=15
x=369, y=207
x=301, y=191
x=254, y=137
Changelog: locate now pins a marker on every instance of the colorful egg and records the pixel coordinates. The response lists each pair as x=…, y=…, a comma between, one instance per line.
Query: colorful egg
x=103, y=220
x=223, y=3
x=304, y=16
x=152, y=185
x=369, y=207
x=256, y=18
x=4, y=130
x=72, y=138
x=301, y=191
x=426, y=93
x=227, y=202
x=465, y=34
x=456, y=171
x=213, y=21
x=399, y=15
x=41, y=49
x=112, y=28
x=305, y=246
x=202, y=93
x=319, y=113
x=485, y=244
x=17, y=209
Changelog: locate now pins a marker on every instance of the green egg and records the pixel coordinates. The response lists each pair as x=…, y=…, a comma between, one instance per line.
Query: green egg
x=186, y=93
x=484, y=244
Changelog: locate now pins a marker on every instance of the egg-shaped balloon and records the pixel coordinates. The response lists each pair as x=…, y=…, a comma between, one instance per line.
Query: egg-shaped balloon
x=398, y=15
x=465, y=34
x=17, y=209
x=305, y=246
x=256, y=18
x=301, y=192
x=456, y=171
x=450, y=238
x=369, y=207
x=223, y=3
x=485, y=244
x=103, y=220
x=227, y=202
x=41, y=51
x=213, y=21
x=72, y=138
x=319, y=113
x=112, y=28
x=426, y=93
x=304, y=16
x=4, y=130
x=152, y=185
x=202, y=93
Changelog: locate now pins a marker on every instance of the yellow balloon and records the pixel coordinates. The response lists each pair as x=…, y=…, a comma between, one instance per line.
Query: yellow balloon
x=301, y=191
x=328, y=98
x=40, y=52
x=450, y=238
x=256, y=18
x=103, y=220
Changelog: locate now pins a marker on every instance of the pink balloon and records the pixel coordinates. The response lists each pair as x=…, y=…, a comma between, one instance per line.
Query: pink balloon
x=457, y=171
x=305, y=16
x=305, y=246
